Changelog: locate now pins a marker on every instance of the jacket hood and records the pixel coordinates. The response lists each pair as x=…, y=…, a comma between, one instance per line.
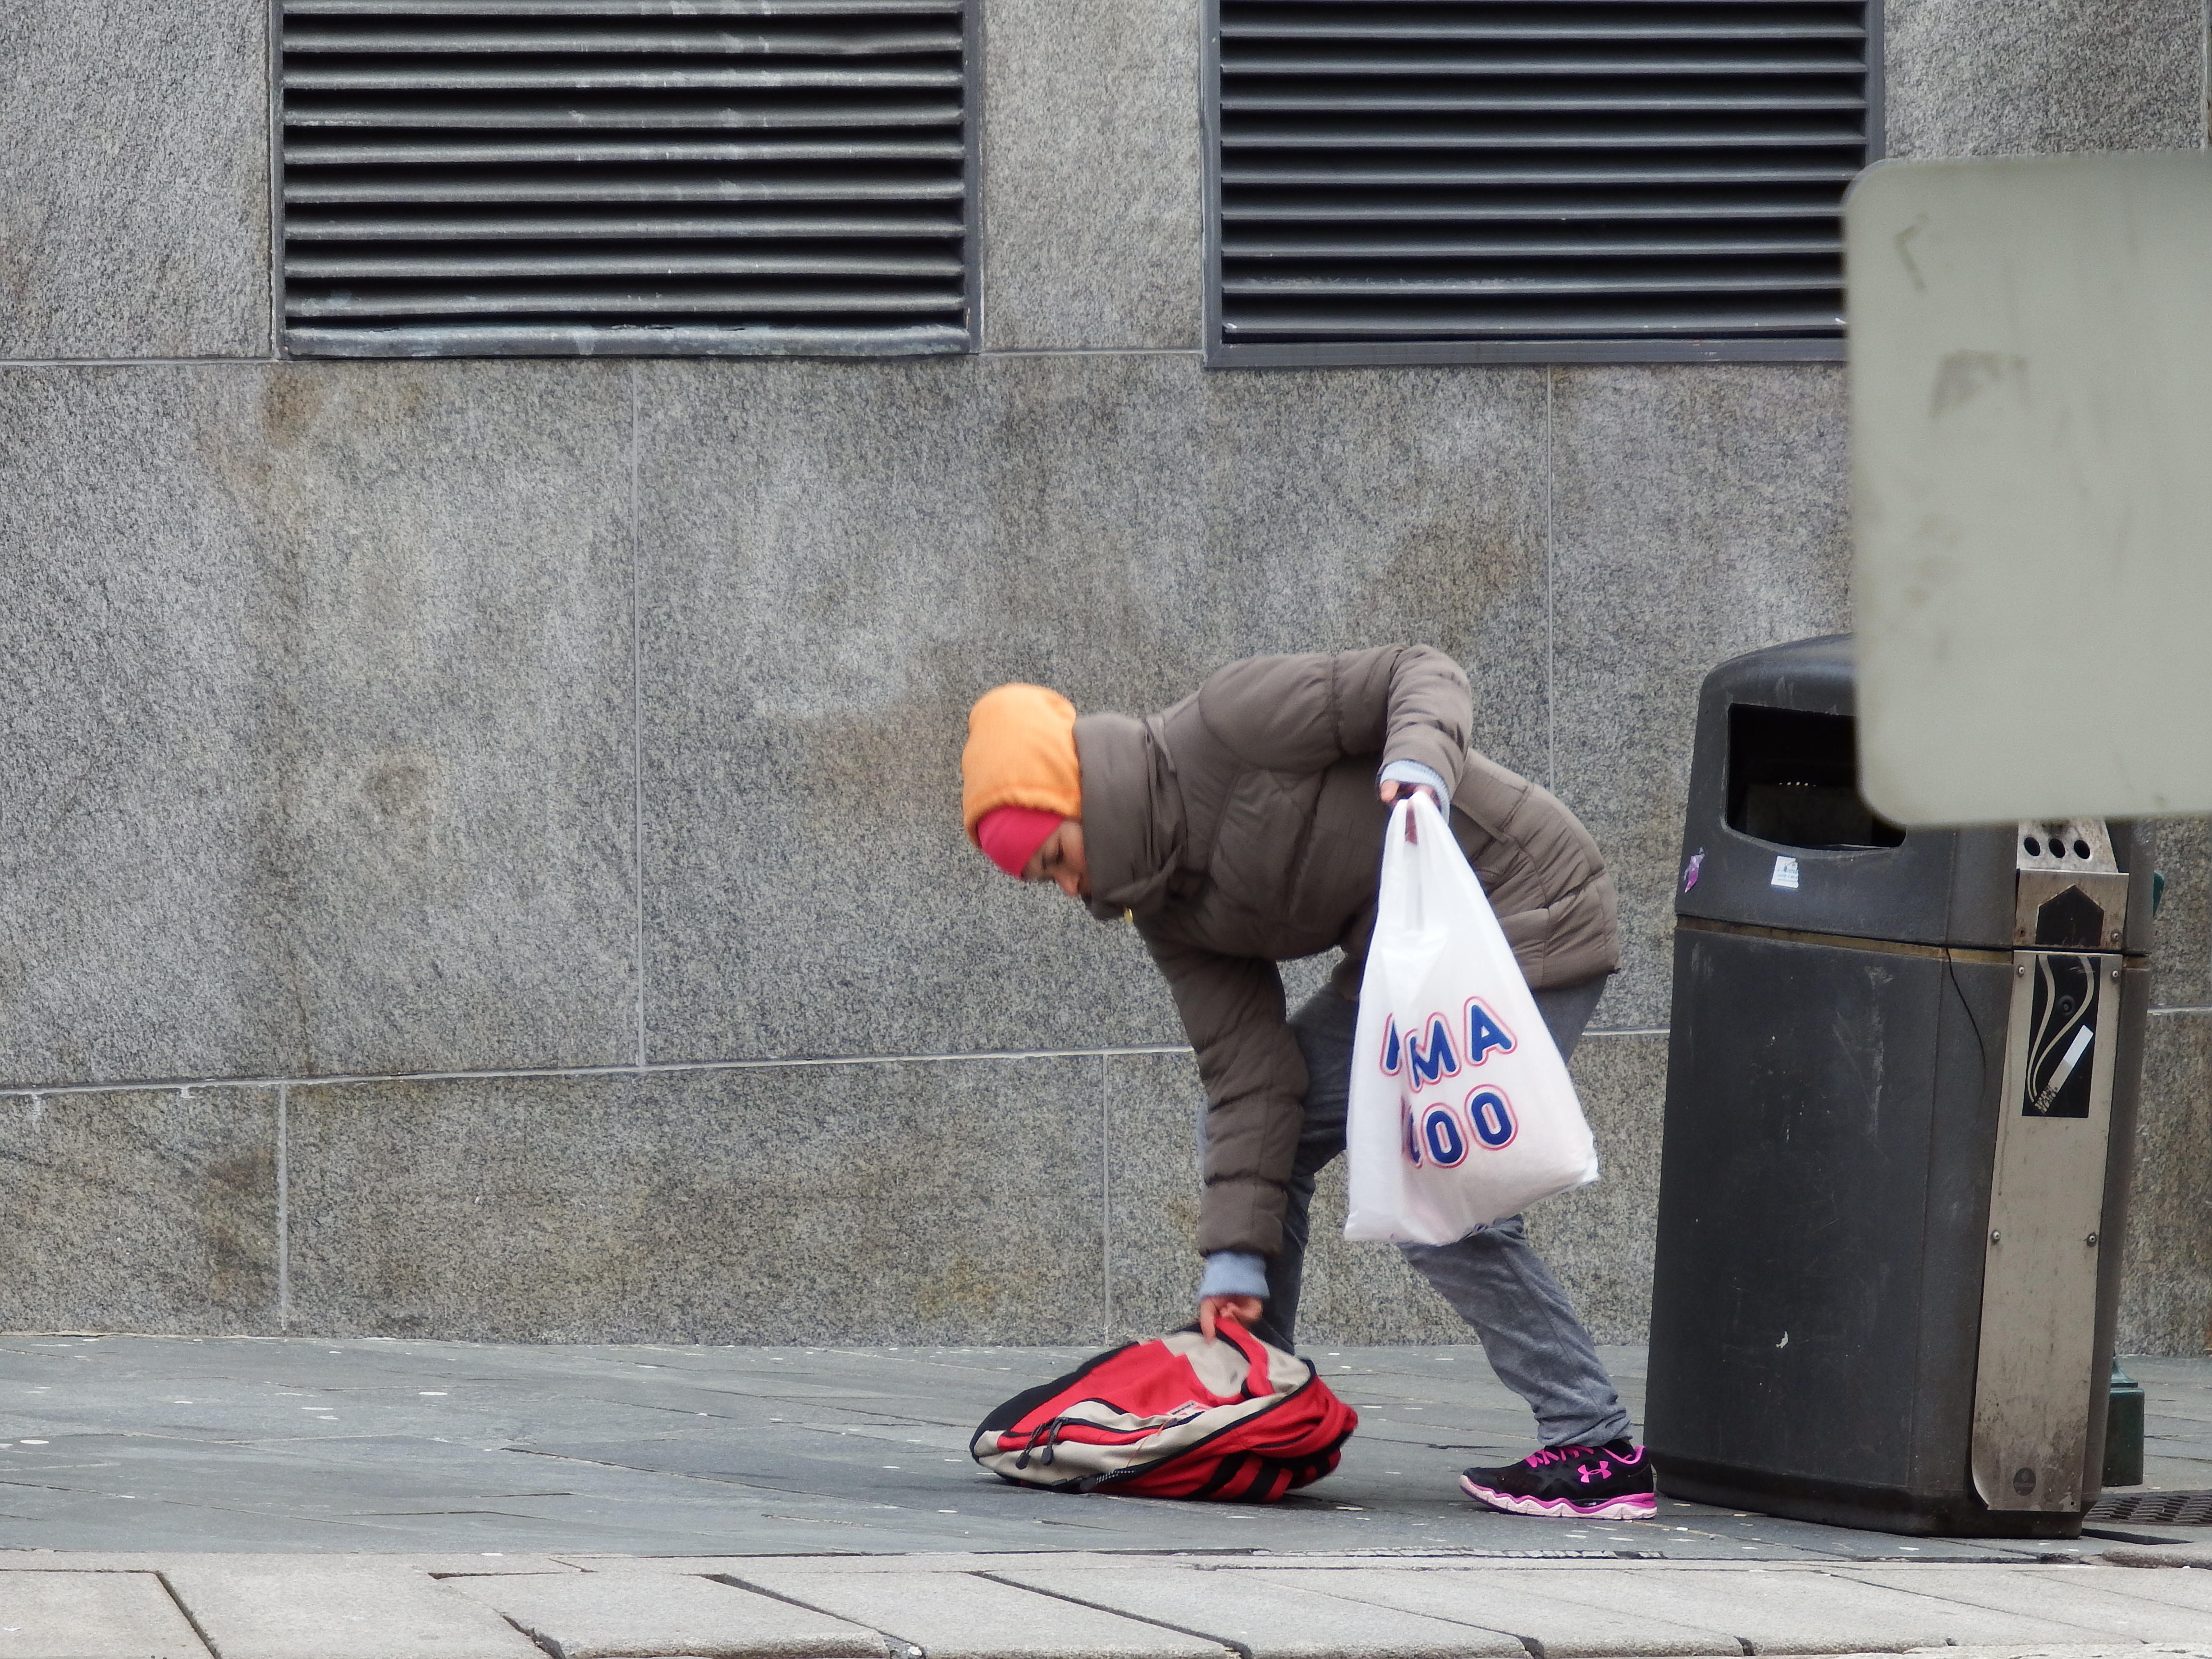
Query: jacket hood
x=1132, y=821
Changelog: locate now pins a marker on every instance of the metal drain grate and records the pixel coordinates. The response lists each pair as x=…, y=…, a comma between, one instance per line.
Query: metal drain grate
x=1524, y=180
x=2156, y=1509
x=466, y=178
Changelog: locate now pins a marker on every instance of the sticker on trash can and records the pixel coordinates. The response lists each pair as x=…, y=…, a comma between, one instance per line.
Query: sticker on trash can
x=1785, y=872
x=2065, y=1004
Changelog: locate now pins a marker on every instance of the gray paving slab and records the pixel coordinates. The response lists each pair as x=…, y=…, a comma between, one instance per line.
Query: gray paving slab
x=593, y=1616
x=91, y=1615
x=1512, y=1607
x=2101, y=1600
x=1797, y=1610
x=2192, y=1590
x=322, y=1610
x=1265, y=1618
x=961, y=1616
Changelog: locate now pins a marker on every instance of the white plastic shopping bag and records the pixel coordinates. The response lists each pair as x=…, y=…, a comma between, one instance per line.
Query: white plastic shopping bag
x=1461, y=1110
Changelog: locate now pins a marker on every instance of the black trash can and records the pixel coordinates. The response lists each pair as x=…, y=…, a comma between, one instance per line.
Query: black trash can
x=1900, y=1105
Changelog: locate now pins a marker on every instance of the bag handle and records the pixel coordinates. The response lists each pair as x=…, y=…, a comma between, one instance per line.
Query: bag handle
x=1402, y=857
x=1255, y=1358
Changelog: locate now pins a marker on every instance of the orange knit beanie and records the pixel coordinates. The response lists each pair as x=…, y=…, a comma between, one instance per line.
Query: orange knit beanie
x=1020, y=752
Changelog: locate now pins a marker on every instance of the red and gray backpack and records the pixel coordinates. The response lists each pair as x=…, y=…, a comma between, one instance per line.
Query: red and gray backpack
x=1175, y=1417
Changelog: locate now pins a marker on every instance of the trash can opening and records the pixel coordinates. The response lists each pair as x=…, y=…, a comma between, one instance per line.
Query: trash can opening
x=1793, y=780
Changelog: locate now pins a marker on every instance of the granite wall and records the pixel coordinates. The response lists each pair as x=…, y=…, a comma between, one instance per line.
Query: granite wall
x=478, y=854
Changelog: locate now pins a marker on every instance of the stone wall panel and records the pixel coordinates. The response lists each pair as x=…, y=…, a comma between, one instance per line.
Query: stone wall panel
x=133, y=139
x=953, y=1202
x=1699, y=513
x=2165, y=1287
x=2181, y=932
x=140, y=928
x=141, y=1210
x=319, y=745
x=1092, y=174
x=452, y=544
x=1999, y=77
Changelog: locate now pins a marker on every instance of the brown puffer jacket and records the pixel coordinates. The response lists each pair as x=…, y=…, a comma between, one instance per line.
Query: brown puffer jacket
x=1241, y=827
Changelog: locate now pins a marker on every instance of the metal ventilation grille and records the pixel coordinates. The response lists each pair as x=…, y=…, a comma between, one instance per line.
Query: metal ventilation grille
x=2154, y=1509
x=1400, y=179
x=555, y=177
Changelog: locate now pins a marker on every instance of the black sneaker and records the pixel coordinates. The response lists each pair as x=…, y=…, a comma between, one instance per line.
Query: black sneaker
x=1612, y=1482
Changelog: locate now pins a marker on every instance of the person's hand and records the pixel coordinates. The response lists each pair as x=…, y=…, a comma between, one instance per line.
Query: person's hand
x=1390, y=792
x=1212, y=1309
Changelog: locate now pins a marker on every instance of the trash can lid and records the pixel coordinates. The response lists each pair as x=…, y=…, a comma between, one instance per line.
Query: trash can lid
x=1816, y=676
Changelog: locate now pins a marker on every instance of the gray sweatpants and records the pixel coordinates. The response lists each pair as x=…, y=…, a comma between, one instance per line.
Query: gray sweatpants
x=1493, y=1278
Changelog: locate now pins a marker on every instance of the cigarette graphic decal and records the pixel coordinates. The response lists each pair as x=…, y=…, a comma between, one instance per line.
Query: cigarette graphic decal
x=2062, y=1036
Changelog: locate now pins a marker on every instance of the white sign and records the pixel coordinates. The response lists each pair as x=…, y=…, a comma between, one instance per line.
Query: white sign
x=2031, y=388
x=1785, y=872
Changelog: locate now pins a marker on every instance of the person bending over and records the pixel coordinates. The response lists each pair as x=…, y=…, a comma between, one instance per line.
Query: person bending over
x=1244, y=827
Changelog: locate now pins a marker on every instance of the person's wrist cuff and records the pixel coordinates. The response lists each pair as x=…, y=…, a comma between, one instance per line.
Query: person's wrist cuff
x=1234, y=1272
x=1412, y=772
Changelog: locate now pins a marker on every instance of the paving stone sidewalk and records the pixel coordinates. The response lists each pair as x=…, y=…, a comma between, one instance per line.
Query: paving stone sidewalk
x=1077, y=1605
x=299, y=1498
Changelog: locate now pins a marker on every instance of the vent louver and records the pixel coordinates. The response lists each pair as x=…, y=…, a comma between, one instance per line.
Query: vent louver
x=555, y=177
x=1544, y=180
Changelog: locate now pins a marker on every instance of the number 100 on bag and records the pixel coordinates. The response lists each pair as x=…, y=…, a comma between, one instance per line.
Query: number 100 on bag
x=1442, y=1119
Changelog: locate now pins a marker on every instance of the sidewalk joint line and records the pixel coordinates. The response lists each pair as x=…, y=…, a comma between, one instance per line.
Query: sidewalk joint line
x=1535, y=1647
x=913, y=1650
x=162, y=1578
x=542, y=1643
x=1241, y=1649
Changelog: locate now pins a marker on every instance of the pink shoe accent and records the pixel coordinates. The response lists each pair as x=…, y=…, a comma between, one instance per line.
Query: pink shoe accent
x=1636, y=1506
